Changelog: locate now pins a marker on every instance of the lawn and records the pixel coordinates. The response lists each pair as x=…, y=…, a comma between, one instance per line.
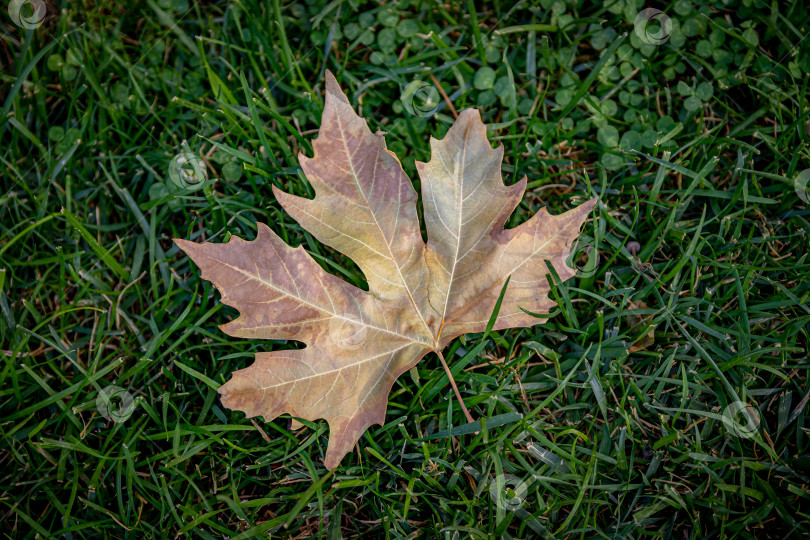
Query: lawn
x=666, y=395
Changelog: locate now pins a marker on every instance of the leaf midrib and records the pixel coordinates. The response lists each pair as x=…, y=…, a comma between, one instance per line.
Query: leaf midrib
x=394, y=261
x=258, y=278
x=337, y=369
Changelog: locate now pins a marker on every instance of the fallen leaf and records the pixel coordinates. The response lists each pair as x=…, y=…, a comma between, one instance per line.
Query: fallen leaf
x=648, y=339
x=421, y=295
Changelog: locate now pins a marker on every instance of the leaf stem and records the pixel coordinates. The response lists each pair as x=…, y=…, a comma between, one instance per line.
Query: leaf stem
x=455, y=388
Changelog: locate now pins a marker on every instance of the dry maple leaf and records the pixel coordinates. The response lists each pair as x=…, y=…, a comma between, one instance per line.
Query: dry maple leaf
x=420, y=296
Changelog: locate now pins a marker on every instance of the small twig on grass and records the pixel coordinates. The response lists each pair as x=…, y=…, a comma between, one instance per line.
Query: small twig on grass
x=444, y=95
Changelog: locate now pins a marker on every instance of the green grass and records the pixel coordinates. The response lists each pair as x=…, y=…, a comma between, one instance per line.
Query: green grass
x=701, y=240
